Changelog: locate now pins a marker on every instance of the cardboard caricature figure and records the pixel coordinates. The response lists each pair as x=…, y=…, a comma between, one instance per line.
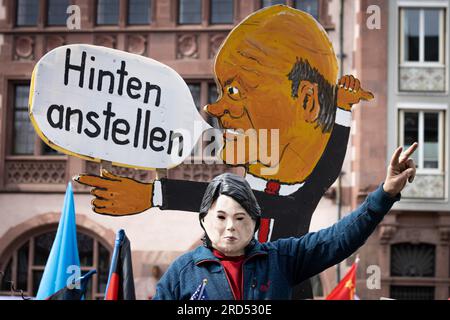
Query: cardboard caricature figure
x=276, y=70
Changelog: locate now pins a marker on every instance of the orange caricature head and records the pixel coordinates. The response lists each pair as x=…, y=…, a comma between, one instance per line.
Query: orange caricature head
x=277, y=70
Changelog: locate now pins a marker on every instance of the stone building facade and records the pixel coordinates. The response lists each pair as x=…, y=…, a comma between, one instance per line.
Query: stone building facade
x=405, y=63
x=186, y=34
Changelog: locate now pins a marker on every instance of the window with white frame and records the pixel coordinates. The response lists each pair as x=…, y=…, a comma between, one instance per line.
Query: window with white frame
x=426, y=125
x=422, y=35
x=422, y=49
x=427, y=128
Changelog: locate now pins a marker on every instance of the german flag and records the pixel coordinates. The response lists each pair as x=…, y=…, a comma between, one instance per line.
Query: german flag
x=121, y=281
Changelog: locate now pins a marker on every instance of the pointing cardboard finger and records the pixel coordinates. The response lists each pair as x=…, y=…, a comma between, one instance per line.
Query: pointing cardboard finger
x=95, y=181
x=365, y=95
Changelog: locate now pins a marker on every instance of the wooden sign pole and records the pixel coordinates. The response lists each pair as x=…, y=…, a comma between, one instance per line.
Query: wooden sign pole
x=161, y=173
x=107, y=165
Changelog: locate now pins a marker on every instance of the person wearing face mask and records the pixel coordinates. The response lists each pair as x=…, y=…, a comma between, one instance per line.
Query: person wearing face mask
x=237, y=266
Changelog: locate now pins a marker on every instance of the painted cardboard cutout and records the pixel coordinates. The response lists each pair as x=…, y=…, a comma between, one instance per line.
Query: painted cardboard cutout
x=275, y=70
x=272, y=79
x=278, y=70
x=99, y=103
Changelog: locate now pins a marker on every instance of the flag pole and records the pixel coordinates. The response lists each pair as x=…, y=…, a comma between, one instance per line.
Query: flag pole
x=205, y=281
x=115, y=256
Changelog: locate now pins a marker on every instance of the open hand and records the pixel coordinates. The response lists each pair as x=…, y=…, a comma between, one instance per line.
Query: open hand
x=116, y=195
x=400, y=170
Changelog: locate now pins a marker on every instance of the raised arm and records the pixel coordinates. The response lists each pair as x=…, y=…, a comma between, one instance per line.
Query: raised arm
x=317, y=251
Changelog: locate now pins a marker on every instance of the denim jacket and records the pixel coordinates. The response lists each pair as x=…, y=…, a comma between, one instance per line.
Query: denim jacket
x=271, y=269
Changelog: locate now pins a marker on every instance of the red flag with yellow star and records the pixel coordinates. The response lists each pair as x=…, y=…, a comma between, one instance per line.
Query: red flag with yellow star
x=345, y=290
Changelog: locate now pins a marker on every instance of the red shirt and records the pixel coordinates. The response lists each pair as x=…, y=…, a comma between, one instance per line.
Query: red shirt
x=233, y=270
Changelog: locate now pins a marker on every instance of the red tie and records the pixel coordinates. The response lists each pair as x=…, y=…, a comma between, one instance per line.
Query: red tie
x=272, y=187
x=264, y=229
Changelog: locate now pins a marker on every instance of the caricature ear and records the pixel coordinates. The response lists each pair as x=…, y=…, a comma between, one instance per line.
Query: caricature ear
x=309, y=100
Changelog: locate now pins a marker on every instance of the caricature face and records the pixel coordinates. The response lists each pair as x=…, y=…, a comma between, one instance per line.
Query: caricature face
x=256, y=92
x=249, y=102
x=229, y=227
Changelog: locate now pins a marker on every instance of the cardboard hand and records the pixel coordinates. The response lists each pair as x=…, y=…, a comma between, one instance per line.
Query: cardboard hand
x=350, y=92
x=400, y=170
x=116, y=195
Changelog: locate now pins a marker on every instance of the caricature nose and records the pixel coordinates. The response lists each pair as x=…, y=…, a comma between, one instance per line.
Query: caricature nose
x=218, y=109
x=215, y=109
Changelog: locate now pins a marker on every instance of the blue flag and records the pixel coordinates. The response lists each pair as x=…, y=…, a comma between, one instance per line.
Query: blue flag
x=200, y=293
x=63, y=261
x=69, y=293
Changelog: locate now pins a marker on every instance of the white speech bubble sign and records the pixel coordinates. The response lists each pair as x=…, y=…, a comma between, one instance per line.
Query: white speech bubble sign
x=99, y=103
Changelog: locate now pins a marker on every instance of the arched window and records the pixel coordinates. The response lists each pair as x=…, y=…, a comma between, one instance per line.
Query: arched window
x=23, y=265
x=413, y=261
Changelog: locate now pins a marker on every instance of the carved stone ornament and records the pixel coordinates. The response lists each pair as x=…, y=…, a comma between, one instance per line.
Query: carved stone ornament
x=413, y=235
x=444, y=234
x=24, y=48
x=215, y=41
x=137, y=44
x=387, y=232
x=187, y=46
x=106, y=41
x=22, y=172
